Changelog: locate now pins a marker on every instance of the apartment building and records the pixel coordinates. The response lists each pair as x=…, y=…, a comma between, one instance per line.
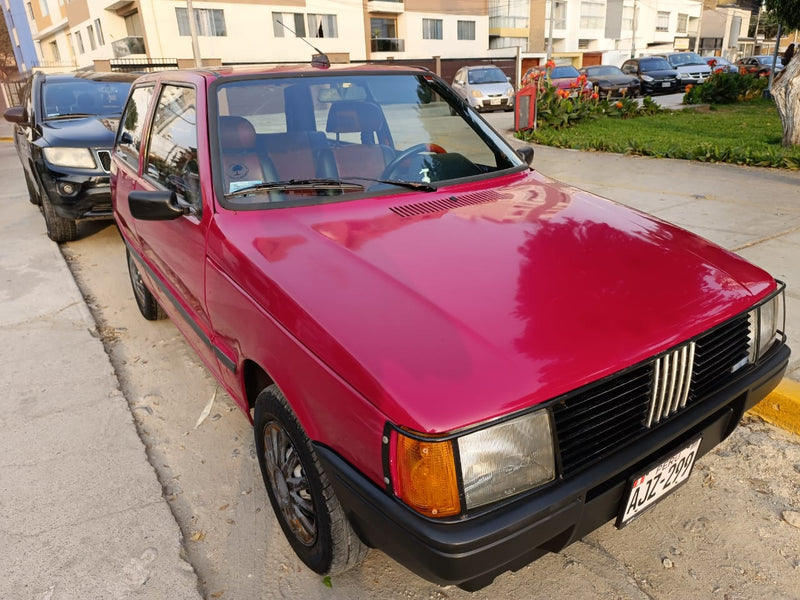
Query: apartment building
x=75, y=33
x=19, y=33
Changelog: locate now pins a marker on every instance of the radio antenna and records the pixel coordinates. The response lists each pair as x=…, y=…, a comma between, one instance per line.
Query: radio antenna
x=320, y=59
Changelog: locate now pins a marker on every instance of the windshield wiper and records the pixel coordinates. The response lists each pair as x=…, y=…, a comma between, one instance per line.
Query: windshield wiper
x=328, y=184
x=299, y=184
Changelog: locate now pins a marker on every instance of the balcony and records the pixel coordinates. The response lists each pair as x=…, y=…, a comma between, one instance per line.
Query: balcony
x=133, y=44
x=388, y=45
x=385, y=6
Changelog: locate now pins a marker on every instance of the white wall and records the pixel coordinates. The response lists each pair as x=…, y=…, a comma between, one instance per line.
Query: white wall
x=410, y=29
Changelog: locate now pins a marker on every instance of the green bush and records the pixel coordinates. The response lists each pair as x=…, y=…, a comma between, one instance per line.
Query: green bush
x=725, y=88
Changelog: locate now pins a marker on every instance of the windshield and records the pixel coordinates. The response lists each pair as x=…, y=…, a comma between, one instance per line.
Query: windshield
x=654, y=64
x=489, y=75
x=564, y=72
x=604, y=70
x=685, y=59
x=83, y=97
x=767, y=60
x=316, y=139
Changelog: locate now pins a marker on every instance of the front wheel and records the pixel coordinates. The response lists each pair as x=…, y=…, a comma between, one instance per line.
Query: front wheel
x=59, y=229
x=299, y=490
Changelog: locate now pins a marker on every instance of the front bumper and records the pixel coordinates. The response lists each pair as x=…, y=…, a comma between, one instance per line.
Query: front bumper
x=470, y=552
x=496, y=103
x=91, y=198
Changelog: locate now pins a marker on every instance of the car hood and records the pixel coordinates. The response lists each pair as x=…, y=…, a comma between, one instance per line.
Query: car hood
x=614, y=79
x=82, y=132
x=662, y=74
x=473, y=302
x=693, y=69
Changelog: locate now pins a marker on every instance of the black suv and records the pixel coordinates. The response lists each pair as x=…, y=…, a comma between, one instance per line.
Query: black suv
x=655, y=73
x=63, y=132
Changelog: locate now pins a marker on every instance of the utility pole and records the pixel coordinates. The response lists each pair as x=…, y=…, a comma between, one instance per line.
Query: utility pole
x=699, y=28
x=193, y=32
x=633, y=32
x=550, y=32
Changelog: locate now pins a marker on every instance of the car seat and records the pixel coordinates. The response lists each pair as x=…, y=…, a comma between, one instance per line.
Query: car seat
x=241, y=163
x=370, y=157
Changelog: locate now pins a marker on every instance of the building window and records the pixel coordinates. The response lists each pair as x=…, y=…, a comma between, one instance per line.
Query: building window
x=133, y=26
x=322, y=26
x=101, y=41
x=466, y=30
x=592, y=14
x=662, y=21
x=560, y=14
x=683, y=20
x=79, y=41
x=286, y=24
x=90, y=35
x=54, y=51
x=44, y=8
x=209, y=22
x=431, y=29
x=29, y=7
x=583, y=44
x=627, y=19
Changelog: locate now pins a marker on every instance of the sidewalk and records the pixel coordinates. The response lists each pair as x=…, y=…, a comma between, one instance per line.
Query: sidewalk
x=81, y=510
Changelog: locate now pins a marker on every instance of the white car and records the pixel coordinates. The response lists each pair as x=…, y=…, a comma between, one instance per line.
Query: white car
x=484, y=87
x=693, y=68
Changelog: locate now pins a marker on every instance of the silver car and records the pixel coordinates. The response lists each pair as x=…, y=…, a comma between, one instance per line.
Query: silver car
x=693, y=68
x=484, y=87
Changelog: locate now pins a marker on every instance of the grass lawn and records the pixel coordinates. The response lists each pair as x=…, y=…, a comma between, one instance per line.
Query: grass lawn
x=745, y=133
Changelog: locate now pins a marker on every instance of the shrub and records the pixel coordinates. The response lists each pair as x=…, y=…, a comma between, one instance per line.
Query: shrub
x=725, y=88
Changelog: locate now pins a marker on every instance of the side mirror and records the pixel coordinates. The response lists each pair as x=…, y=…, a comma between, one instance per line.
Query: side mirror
x=125, y=139
x=16, y=114
x=526, y=154
x=155, y=206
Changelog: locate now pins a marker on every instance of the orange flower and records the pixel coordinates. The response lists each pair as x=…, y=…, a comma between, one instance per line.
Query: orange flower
x=618, y=104
x=689, y=87
x=595, y=95
x=550, y=64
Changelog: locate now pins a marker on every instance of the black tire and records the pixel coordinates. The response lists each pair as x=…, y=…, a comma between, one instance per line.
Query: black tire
x=148, y=305
x=59, y=229
x=299, y=490
x=33, y=193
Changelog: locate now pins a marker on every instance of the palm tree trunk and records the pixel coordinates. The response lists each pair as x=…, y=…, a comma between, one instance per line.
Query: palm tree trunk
x=786, y=94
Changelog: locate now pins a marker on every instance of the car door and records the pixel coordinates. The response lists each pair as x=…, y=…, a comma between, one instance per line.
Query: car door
x=175, y=250
x=24, y=132
x=458, y=82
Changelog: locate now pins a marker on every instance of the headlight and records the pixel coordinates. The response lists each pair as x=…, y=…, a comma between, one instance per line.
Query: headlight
x=476, y=94
x=767, y=323
x=79, y=158
x=647, y=78
x=510, y=92
x=494, y=463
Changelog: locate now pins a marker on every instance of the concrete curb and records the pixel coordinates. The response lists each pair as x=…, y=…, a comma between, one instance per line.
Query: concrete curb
x=782, y=406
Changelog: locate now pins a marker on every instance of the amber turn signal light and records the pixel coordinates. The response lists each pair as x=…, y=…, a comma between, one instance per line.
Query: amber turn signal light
x=426, y=476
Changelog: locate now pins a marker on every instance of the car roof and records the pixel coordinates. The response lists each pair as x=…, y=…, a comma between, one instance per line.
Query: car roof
x=93, y=76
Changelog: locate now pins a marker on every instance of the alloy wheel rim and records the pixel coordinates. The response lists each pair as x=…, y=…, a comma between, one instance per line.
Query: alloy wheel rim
x=289, y=484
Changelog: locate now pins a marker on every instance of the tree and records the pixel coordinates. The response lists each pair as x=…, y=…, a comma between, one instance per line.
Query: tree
x=6, y=50
x=786, y=87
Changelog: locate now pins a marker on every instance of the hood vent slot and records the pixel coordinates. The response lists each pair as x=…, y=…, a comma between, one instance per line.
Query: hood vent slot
x=434, y=206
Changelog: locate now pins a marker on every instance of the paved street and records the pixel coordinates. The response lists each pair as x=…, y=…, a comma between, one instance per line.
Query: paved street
x=85, y=500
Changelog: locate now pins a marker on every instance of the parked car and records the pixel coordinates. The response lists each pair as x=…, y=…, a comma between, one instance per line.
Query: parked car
x=610, y=80
x=484, y=87
x=564, y=77
x=759, y=65
x=719, y=64
x=372, y=277
x=692, y=67
x=655, y=74
x=63, y=132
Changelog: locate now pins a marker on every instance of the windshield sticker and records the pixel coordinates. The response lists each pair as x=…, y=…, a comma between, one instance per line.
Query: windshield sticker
x=235, y=186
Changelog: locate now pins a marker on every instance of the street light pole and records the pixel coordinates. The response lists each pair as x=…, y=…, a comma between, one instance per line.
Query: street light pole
x=633, y=32
x=550, y=28
x=699, y=28
x=193, y=32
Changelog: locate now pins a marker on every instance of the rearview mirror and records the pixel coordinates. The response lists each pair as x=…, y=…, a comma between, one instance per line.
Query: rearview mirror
x=155, y=206
x=16, y=114
x=526, y=154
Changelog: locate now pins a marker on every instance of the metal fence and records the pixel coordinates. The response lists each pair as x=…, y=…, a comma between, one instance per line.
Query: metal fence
x=143, y=65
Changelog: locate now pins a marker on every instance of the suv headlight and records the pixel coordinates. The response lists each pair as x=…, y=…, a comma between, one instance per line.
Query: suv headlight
x=493, y=463
x=79, y=158
x=767, y=324
x=647, y=78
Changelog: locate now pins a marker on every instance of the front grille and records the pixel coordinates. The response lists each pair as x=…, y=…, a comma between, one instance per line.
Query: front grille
x=105, y=159
x=601, y=418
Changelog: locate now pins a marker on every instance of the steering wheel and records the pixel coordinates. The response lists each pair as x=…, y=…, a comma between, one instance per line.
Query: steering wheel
x=407, y=153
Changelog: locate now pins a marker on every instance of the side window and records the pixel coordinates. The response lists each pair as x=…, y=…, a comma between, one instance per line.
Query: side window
x=131, y=129
x=172, y=155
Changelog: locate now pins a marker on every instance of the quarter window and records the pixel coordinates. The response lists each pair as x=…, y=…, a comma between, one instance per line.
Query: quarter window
x=131, y=132
x=172, y=154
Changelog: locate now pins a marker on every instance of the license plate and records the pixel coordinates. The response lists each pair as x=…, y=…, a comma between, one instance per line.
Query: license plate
x=647, y=488
x=665, y=84
x=494, y=101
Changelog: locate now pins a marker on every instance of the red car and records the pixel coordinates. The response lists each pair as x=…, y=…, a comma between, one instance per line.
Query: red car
x=445, y=354
x=564, y=77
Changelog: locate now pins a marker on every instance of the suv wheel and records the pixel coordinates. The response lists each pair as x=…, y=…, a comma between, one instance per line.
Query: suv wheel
x=59, y=229
x=33, y=193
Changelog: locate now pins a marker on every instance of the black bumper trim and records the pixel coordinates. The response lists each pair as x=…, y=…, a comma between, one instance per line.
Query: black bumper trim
x=470, y=552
